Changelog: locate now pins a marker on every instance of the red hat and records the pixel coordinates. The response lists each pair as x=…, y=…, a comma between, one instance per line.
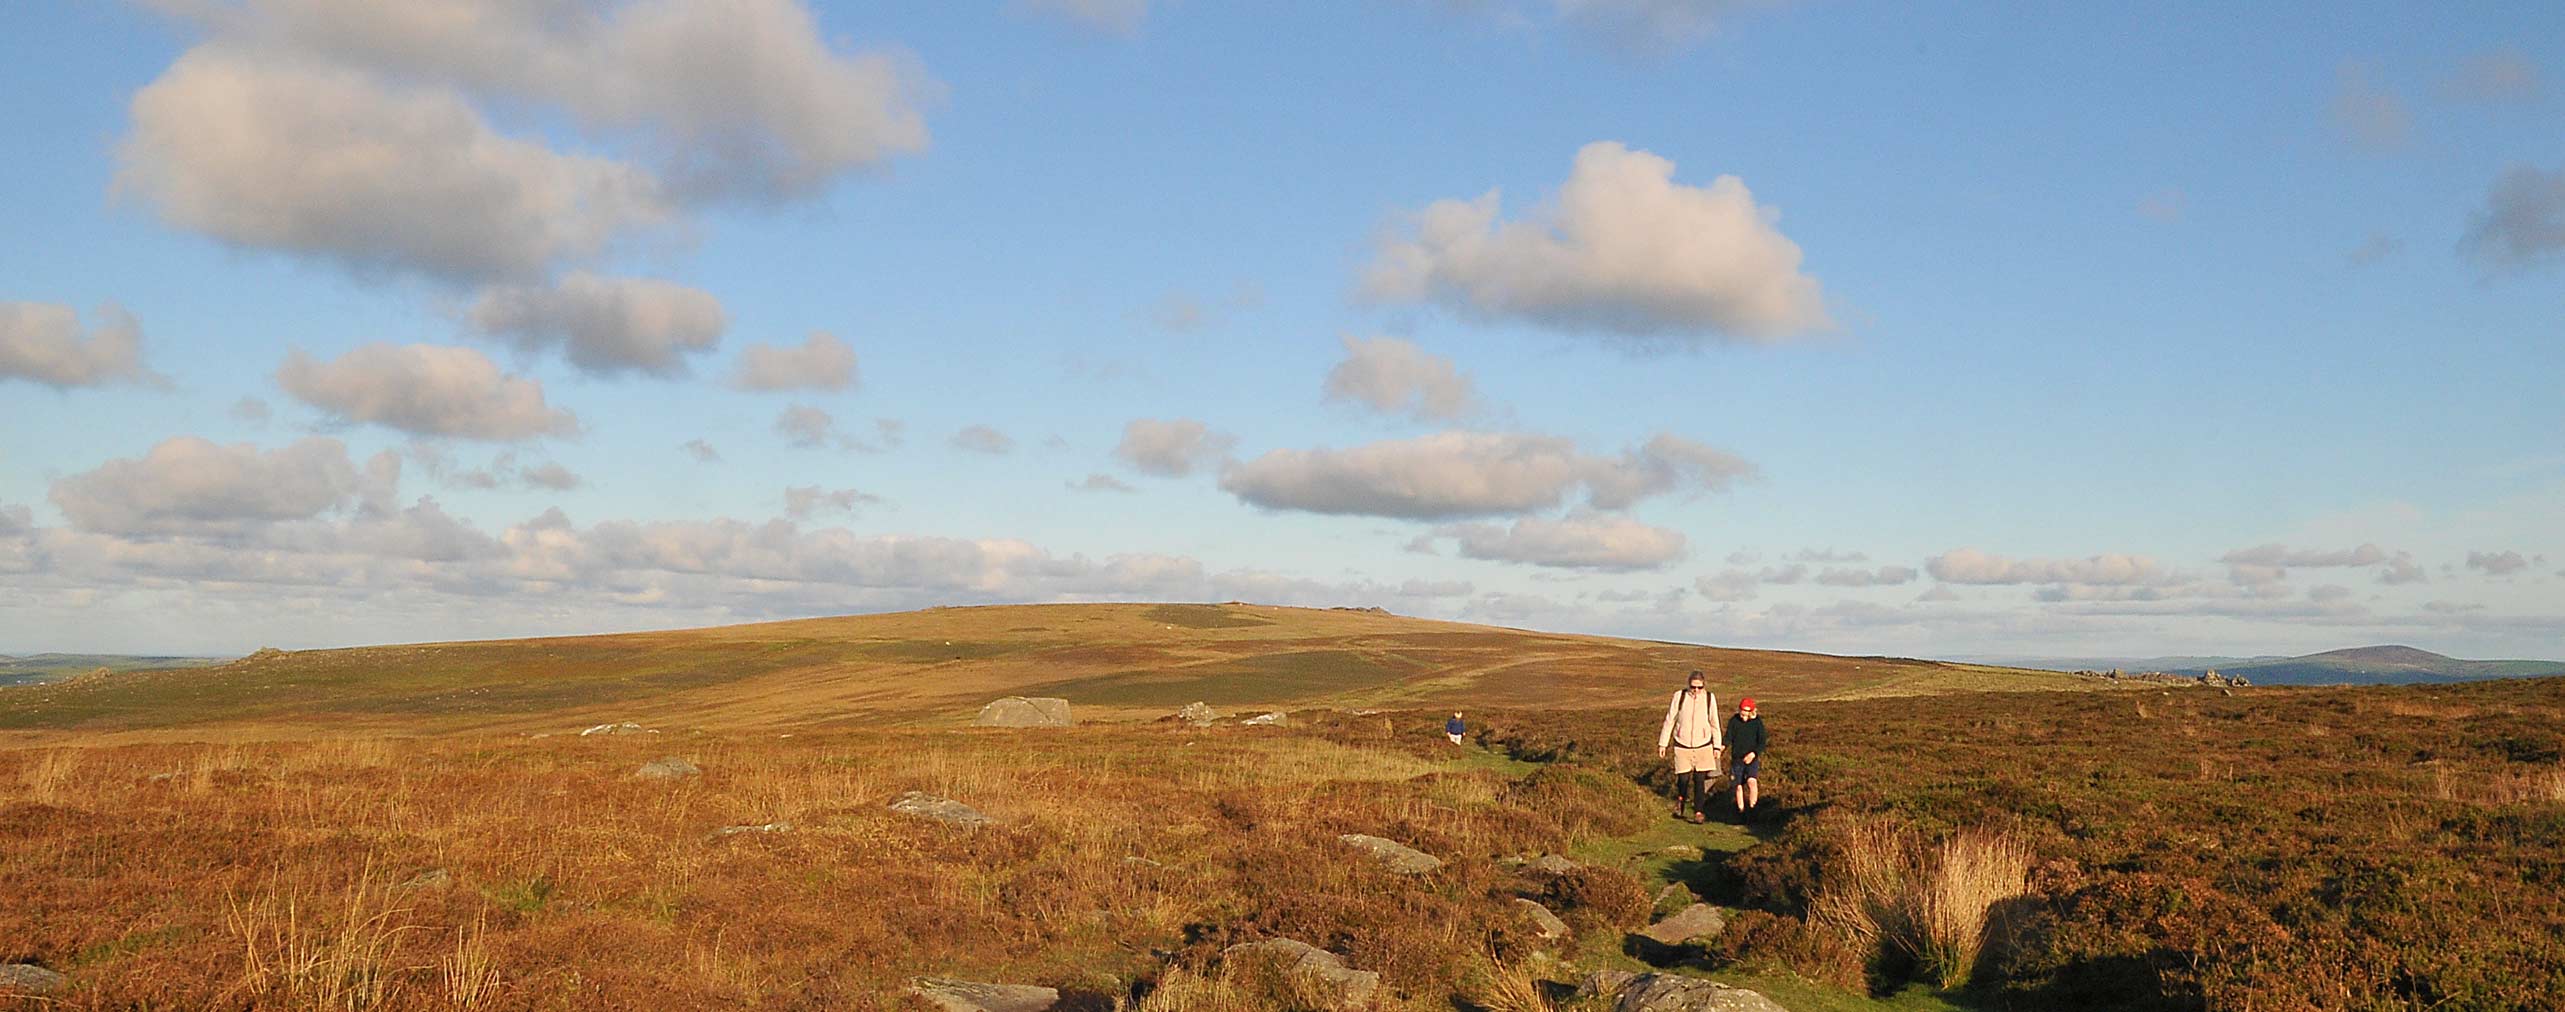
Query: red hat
x=1747, y=703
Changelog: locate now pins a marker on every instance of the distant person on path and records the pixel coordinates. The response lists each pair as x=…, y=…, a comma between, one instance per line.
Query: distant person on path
x=1746, y=742
x=1692, y=729
x=1453, y=728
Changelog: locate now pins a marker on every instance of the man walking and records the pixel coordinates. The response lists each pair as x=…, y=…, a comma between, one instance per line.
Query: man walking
x=1746, y=741
x=1692, y=730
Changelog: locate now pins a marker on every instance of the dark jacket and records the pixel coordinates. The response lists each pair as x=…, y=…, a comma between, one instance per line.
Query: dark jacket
x=1454, y=726
x=1745, y=736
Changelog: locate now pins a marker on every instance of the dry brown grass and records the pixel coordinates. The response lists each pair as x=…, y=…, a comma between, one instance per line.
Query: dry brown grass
x=270, y=875
x=1971, y=872
x=1887, y=893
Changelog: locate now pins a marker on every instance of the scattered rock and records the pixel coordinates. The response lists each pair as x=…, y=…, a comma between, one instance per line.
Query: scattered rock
x=1020, y=711
x=626, y=727
x=1545, y=924
x=29, y=980
x=771, y=827
x=1343, y=986
x=1682, y=852
x=944, y=810
x=974, y=996
x=1666, y=992
x=1675, y=898
x=1700, y=920
x=1395, y=856
x=1606, y=983
x=1198, y=714
x=1551, y=864
x=1268, y=720
x=668, y=768
x=433, y=878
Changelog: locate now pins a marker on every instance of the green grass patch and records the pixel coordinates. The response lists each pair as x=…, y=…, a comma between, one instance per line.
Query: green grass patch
x=1271, y=678
x=1201, y=616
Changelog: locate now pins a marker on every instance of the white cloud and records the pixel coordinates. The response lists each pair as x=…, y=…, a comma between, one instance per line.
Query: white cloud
x=2523, y=221
x=192, y=486
x=1171, y=447
x=2366, y=114
x=807, y=428
x=606, y=325
x=427, y=390
x=2282, y=557
x=551, y=475
x=1453, y=475
x=1826, y=555
x=1579, y=541
x=2402, y=570
x=1624, y=250
x=266, y=151
x=807, y=501
x=1970, y=565
x=740, y=99
x=822, y=362
x=1395, y=377
x=2502, y=563
x=983, y=439
x=42, y=342
x=2328, y=593
x=1884, y=576
x=1101, y=482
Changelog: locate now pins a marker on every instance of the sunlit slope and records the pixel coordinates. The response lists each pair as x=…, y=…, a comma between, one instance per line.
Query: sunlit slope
x=1111, y=660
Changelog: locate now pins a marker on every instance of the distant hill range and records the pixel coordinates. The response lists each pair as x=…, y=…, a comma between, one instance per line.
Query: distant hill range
x=2382, y=665
x=35, y=668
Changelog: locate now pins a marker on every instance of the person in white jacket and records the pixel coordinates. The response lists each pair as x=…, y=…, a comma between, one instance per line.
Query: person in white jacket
x=1692, y=731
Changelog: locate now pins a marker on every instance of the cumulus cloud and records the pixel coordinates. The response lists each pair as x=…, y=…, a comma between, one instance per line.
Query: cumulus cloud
x=2523, y=221
x=2503, y=75
x=266, y=151
x=502, y=471
x=703, y=452
x=1884, y=576
x=1970, y=565
x=606, y=325
x=1823, y=555
x=193, y=486
x=2366, y=114
x=2402, y=570
x=1623, y=250
x=983, y=439
x=742, y=99
x=1581, y=540
x=804, y=502
x=808, y=428
x=1395, y=377
x=1454, y=475
x=1101, y=482
x=42, y=342
x=552, y=476
x=822, y=362
x=1728, y=585
x=2278, y=556
x=2502, y=563
x=1171, y=447
x=427, y=390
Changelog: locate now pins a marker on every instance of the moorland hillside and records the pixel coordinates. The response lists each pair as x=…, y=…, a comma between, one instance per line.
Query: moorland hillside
x=938, y=665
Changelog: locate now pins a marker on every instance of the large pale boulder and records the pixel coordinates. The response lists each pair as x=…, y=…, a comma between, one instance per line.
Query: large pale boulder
x=1198, y=714
x=29, y=980
x=1393, y=855
x=974, y=996
x=1022, y=711
x=1666, y=992
x=1309, y=965
x=944, y=810
x=1545, y=925
x=1700, y=920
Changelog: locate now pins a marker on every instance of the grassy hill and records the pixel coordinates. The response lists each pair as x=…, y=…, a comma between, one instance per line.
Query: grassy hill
x=35, y=668
x=2381, y=665
x=939, y=665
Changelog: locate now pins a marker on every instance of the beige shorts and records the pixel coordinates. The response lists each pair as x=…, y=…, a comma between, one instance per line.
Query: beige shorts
x=1705, y=758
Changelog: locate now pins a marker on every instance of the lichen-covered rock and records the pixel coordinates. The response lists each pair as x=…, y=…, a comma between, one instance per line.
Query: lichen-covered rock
x=1393, y=855
x=668, y=768
x=1198, y=714
x=1666, y=992
x=944, y=810
x=30, y=980
x=974, y=996
x=627, y=727
x=1276, y=719
x=1343, y=986
x=1700, y=920
x=1545, y=925
x=1022, y=711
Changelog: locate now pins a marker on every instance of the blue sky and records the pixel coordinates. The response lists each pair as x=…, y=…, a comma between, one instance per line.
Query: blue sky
x=1823, y=325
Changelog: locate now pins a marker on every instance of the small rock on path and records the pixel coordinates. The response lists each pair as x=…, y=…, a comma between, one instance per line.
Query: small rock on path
x=1666, y=992
x=1395, y=856
x=1700, y=920
x=29, y=980
x=1024, y=711
x=945, y=810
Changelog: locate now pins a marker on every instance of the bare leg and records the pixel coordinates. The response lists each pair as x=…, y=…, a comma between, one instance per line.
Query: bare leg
x=1754, y=791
